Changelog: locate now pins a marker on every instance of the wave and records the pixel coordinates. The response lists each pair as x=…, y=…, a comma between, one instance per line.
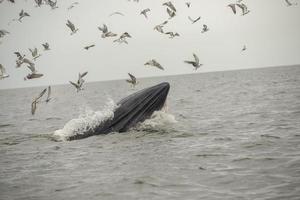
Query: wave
x=86, y=122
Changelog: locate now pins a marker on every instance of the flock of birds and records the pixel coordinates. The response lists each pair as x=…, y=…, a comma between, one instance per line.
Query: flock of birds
x=106, y=33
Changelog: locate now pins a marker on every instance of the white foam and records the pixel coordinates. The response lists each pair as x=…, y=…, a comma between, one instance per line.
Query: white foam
x=158, y=119
x=86, y=121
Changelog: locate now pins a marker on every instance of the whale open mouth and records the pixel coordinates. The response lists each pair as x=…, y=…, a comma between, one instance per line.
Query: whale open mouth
x=130, y=111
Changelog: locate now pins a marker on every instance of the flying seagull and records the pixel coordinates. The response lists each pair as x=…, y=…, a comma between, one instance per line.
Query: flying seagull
x=159, y=27
x=116, y=13
x=188, y=4
x=154, y=63
x=204, y=29
x=122, y=38
x=171, y=13
x=195, y=63
x=3, y=73
x=3, y=33
x=172, y=34
x=170, y=5
x=72, y=27
x=38, y=3
x=48, y=94
x=23, y=14
x=34, y=53
x=105, y=32
x=89, y=46
x=244, y=8
x=232, y=6
x=52, y=4
x=36, y=101
x=46, y=46
x=288, y=3
x=132, y=80
x=194, y=20
x=144, y=12
x=244, y=48
x=33, y=73
x=78, y=85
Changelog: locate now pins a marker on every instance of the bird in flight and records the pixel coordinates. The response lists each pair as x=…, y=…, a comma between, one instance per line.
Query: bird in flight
x=195, y=62
x=73, y=5
x=116, y=13
x=159, y=27
x=105, y=32
x=144, y=12
x=204, y=29
x=172, y=34
x=288, y=3
x=89, y=46
x=244, y=8
x=232, y=6
x=79, y=83
x=132, y=80
x=23, y=14
x=188, y=4
x=34, y=53
x=3, y=73
x=48, y=94
x=122, y=38
x=170, y=5
x=194, y=20
x=3, y=33
x=46, y=46
x=72, y=27
x=154, y=63
x=36, y=101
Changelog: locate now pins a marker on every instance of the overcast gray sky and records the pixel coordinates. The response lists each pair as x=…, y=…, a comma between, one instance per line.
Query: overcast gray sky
x=271, y=32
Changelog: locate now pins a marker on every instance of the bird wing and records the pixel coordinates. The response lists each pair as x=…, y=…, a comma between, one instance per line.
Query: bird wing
x=74, y=84
x=232, y=6
x=32, y=68
x=21, y=13
x=70, y=25
x=49, y=92
x=190, y=19
x=242, y=6
x=18, y=54
x=82, y=75
x=2, y=70
x=132, y=77
x=170, y=12
x=116, y=13
x=33, y=107
x=196, y=58
x=40, y=95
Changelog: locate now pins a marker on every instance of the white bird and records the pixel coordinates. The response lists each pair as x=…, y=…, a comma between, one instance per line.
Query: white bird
x=172, y=34
x=23, y=14
x=195, y=63
x=3, y=33
x=188, y=4
x=78, y=85
x=288, y=3
x=159, y=27
x=244, y=8
x=171, y=13
x=170, y=5
x=144, y=12
x=105, y=32
x=122, y=38
x=72, y=27
x=132, y=80
x=204, y=29
x=34, y=53
x=46, y=46
x=38, y=3
x=52, y=4
x=3, y=73
x=194, y=20
x=154, y=63
x=48, y=94
x=36, y=101
x=73, y=5
x=244, y=48
x=89, y=46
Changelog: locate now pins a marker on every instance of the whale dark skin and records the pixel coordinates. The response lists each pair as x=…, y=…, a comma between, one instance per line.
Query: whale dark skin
x=131, y=110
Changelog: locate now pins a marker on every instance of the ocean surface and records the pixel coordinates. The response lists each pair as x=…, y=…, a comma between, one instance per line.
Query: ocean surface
x=224, y=135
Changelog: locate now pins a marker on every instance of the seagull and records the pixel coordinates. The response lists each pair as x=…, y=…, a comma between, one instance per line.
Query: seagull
x=72, y=27
x=46, y=46
x=171, y=13
x=20, y=58
x=204, y=29
x=172, y=34
x=132, y=80
x=73, y=5
x=52, y=4
x=36, y=101
x=78, y=85
x=288, y=3
x=23, y=14
x=89, y=46
x=232, y=6
x=195, y=63
x=244, y=8
x=116, y=13
x=144, y=12
x=3, y=73
x=244, y=48
x=38, y=3
x=154, y=63
x=34, y=53
x=3, y=33
x=123, y=37
x=194, y=20
x=188, y=4
x=48, y=94
x=12, y=1
x=170, y=5
x=159, y=27
x=105, y=32
x=33, y=73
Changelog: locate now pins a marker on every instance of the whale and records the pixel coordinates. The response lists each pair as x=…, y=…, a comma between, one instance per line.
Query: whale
x=131, y=110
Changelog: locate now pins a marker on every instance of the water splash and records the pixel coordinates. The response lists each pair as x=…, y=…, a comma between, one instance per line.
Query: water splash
x=86, y=122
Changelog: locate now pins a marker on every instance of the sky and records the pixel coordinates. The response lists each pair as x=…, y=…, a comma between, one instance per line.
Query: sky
x=270, y=31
